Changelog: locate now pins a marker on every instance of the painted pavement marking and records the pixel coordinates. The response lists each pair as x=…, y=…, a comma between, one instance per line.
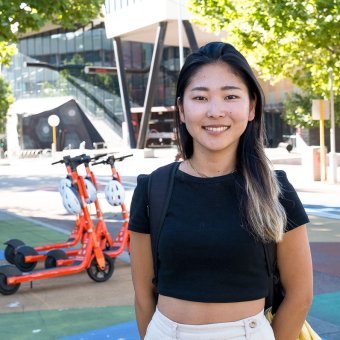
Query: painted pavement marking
x=123, y=331
x=323, y=211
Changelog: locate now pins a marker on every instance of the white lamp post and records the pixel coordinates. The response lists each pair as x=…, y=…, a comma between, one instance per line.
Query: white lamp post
x=53, y=121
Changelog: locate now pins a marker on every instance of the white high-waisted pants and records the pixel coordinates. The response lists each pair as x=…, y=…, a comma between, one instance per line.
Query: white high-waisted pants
x=256, y=327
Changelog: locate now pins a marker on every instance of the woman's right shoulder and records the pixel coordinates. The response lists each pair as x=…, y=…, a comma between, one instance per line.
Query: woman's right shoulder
x=163, y=171
x=143, y=179
x=142, y=185
x=139, y=218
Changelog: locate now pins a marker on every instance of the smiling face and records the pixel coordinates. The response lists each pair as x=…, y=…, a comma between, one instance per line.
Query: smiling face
x=216, y=108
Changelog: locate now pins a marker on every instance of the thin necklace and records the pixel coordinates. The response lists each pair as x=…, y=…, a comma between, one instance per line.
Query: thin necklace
x=197, y=172
x=204, y=175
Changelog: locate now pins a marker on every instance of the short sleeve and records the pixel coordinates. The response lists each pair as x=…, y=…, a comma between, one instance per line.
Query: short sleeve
x=139, y=219
x=296, y=214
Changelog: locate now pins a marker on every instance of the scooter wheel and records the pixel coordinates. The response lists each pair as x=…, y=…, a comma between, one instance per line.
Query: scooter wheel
x=19, y=259
x=99, y=275
x=5, y=272
x=53, y=256
x=10, y=249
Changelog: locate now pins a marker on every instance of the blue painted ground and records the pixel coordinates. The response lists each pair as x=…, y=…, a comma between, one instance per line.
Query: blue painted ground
x=323, y=211
x=123, y=331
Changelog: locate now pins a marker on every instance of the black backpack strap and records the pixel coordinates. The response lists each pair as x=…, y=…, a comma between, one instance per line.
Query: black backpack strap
x=270, y=255
x=276, y=291
x=159, y=192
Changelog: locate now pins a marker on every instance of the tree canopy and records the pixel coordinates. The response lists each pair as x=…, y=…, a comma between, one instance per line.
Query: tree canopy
x=298, y=108
x=18, y=17
x=294, y=39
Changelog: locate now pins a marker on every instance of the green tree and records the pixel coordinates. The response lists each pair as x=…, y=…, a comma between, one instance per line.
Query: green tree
x=295, y=39
x=18, y=17
x=298, y=110
x=6, y=99
x=7, y=50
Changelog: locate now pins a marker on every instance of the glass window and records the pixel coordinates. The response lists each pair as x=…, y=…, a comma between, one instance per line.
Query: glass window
x=38, y=45
x=23, y=46
x=147, y=51
x=46, y=45
x=107, y=43
x=52, y=59
x=109, y=58
x=70, y=42
x=62, y=43
x=136, y=55
x=79, y=41
x=88, y=40
x=97, y=35
x=54, y=43
x=31, y=46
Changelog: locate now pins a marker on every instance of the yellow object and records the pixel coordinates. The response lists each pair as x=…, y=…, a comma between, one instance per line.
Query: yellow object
x=323, y=152
x=307, y=332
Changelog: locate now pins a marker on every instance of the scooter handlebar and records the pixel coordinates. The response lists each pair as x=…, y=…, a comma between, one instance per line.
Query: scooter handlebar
x=96, y=157
x=100, y=162
x=111, y=159
x=123, y=157
x=75, y=161
x=60, y=161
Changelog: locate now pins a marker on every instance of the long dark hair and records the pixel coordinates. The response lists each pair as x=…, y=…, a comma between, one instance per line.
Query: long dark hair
x=264, y=214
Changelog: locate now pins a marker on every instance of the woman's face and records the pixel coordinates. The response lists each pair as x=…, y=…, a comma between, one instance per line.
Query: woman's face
x=216, y=108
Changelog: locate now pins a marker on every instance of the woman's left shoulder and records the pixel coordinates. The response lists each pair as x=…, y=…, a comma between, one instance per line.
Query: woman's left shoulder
x=291, y=202
x=281, y=175
x=283, y=180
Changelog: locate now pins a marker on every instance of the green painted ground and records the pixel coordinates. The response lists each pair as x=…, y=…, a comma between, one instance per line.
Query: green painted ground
x=45, y=325
x=30, y=233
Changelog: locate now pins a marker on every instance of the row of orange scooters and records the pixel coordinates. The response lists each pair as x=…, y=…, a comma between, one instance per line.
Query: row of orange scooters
x=89, y=246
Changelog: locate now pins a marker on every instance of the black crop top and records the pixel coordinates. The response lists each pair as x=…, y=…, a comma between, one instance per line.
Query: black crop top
x=205, y=254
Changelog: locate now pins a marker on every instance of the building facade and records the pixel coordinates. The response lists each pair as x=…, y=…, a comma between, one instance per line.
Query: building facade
x=51, y=63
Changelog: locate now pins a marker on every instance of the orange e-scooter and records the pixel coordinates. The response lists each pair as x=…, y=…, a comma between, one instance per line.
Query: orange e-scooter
x=26, y=257
x=115, y=195
x=90, y=256
x=32, y=254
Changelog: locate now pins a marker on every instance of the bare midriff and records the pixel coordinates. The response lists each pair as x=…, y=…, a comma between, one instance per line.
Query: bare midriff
x=199, y=313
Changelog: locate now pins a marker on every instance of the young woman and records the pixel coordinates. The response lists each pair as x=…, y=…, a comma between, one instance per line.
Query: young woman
x=226, y=202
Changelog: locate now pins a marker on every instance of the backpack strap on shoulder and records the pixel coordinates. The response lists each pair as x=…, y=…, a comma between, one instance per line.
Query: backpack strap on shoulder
x=276, y=291
x=159, y=193
x=270, y=255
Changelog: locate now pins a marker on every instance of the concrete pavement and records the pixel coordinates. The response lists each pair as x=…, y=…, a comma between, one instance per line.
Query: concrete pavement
x=75, y=307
